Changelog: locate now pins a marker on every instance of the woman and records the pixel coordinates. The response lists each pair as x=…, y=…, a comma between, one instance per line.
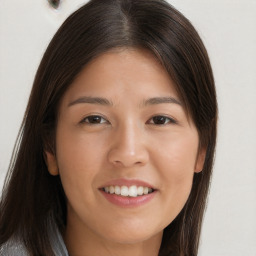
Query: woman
x=115, y=153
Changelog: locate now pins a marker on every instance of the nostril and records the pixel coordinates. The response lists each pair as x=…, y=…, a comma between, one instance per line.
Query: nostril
x=118, y=163
x=54, y=3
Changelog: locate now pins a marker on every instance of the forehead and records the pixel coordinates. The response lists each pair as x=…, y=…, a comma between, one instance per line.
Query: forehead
x=123, y=70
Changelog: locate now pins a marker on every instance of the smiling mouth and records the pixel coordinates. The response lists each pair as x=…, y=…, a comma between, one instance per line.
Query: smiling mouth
x=125, y=191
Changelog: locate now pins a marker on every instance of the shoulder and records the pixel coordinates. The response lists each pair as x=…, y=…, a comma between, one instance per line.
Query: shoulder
x=57, y=242
x=16, y=247
x=13, y=247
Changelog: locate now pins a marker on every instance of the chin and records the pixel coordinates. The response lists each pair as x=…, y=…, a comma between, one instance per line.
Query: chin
x=128, y=236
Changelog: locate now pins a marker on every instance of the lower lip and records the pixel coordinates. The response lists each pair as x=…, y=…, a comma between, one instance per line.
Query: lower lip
x=124, y=201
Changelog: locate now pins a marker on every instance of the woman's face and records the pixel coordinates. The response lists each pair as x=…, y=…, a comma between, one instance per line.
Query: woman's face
x=122, y=129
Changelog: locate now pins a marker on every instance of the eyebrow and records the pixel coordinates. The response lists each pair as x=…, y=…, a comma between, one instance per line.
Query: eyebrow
x=161, y=100
x=91, y=100
x=106, y=102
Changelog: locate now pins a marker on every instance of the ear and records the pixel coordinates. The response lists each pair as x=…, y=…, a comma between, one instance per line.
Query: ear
x=200, y=160
x=51, y=163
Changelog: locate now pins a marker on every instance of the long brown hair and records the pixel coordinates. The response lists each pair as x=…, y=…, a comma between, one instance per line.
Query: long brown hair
x=32, y=199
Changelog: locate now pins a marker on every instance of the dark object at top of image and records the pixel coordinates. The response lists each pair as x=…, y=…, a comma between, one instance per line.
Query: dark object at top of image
x=54, y=3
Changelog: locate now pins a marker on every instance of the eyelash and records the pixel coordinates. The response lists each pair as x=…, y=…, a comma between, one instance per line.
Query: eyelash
x=162, y=117
x=87, y=119
x=166, y=120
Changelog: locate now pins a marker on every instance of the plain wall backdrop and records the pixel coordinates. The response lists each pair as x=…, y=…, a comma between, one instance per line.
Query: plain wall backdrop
x=228, y=29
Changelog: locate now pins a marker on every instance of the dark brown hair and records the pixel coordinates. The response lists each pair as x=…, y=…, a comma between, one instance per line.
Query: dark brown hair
x=32, y=199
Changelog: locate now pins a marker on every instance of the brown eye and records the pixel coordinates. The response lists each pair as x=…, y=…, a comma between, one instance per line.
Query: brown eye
x=94, y=120
x=161, y=120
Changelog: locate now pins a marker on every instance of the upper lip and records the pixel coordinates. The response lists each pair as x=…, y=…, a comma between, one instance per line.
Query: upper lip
x=127, y=182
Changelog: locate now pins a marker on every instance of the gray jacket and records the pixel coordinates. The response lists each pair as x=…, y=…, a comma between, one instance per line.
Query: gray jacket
x=15, y=248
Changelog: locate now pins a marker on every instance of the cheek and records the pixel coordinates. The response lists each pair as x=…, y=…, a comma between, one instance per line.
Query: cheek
x=76, y=150
x=78, y=161
x=176, y=164
x=178, y=174
x=177, y=155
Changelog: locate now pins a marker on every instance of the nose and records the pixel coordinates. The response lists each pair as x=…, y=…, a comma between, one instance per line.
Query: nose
x=128, y=147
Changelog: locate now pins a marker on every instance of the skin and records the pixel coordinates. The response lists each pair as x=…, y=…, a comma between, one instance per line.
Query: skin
x=126, y=143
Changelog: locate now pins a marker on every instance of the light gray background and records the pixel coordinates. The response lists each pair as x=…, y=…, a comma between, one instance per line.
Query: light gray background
x=228, y=28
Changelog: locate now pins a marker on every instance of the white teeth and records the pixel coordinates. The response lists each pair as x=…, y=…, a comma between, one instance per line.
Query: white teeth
x=117, y=190
x=140, y=191
x=132, y=191
x=124, y=191
x=111, y=189
x=145, y=191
